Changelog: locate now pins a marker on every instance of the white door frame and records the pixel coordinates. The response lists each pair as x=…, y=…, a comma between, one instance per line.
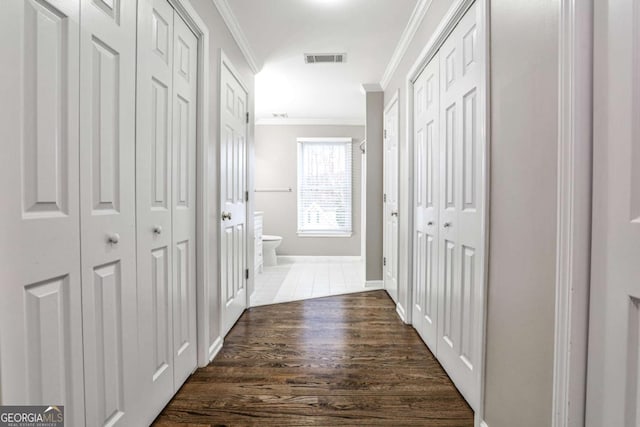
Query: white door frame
x=574, y=189
x=444, y=29
x=226, y=62
x=200, y=29
x=394, y=99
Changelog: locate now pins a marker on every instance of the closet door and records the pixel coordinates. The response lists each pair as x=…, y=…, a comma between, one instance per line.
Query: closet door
x=462, y=148
x=107, y=199
x=40, y=295
x=185, y=83
x=426, y=196
x=154, y=202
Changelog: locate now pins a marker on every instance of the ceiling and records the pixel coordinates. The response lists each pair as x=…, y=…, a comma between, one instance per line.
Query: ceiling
x=279, y=32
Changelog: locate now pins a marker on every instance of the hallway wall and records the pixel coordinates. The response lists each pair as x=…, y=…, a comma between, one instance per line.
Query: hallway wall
x=522, y=261
x=524, y=102
x=220, y=38
x=276, y=164
x=374, y=216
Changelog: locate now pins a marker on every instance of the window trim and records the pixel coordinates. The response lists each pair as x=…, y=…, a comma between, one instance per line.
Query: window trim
x=322, y=233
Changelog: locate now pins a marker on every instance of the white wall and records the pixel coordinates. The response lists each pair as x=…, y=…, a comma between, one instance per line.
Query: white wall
x=276, y=166
x=524, y=98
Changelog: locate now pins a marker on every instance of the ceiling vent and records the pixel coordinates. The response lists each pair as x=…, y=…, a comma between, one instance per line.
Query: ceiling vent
x=325, y=58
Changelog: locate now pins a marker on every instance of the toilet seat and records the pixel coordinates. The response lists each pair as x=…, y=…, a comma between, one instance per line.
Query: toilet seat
x=270, y=238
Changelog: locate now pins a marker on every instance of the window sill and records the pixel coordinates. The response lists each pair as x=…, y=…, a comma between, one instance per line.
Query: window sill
x=321, y=234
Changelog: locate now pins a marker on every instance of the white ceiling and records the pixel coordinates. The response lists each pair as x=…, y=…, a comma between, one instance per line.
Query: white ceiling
x=280, y=31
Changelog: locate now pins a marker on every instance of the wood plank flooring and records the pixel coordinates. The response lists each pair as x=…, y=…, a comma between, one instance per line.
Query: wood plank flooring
x=342, y=360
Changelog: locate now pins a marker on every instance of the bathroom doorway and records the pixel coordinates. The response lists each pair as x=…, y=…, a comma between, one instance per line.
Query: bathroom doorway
x=308, y=221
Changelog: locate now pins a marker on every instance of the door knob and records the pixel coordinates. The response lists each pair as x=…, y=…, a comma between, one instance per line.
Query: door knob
x=447, y=224
x=157, y=229
x=430, y=223
x=226, y=216
x=113, y=238
x=394, y=213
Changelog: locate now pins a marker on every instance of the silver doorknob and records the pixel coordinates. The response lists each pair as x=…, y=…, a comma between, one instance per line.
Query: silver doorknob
x=157, y=229
x=394, y=213
x=226, y=216
x=430, y=223
x=447, y=225
x=113, y=238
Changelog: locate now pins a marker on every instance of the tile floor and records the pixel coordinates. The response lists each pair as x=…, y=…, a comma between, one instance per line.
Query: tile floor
x=298, y=278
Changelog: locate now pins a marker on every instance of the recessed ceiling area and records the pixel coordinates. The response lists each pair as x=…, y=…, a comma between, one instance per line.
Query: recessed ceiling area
x=281, y=32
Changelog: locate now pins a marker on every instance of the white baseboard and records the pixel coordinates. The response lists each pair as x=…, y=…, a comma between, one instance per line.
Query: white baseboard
x=317, y=258
x=215, y=348
x=401, y=312
x=377, y=284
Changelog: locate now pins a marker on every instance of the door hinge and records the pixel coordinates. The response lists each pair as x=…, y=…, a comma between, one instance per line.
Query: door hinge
x=385, y=134
x=384, y=198
x=246, y=196
x=384, y=261
x=246, y=274
x=247, y=117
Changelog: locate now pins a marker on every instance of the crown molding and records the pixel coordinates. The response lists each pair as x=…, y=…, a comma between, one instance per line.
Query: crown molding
x=237, y=33
x=309, y=122
x=405, y=39
x=372, y=87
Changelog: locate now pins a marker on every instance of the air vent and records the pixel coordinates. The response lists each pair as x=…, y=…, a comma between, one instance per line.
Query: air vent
x=325, y=58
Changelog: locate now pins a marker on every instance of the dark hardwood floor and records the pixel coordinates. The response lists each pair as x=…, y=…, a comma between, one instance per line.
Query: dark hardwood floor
x=343, y=360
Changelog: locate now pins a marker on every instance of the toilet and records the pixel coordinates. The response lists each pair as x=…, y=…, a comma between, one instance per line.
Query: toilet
x=269, y=245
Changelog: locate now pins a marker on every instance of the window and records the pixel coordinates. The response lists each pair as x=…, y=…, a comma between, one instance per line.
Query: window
x=324, y=186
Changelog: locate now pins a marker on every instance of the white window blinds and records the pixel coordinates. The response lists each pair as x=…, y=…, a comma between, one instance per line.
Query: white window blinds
x=324, y=186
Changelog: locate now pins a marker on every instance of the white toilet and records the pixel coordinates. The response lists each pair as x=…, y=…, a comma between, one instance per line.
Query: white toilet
x=269, y=245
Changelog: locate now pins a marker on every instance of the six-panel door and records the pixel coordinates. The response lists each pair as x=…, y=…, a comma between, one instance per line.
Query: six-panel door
x=449, y=191
x=233, y=187
x=461, y=209
x=154, y=201
x=40, y=307
x=426, y=198
x=185, y=84
x=107, y=205
x=390, y=232
x=166, y=202
x=69, y=313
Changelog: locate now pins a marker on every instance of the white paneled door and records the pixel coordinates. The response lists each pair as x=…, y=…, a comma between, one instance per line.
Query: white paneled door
x=613, y=389
x=40, y=302
x=185, y=83
x=107, y=205
x=154, y=200
x=166, y=202
x=426, y=108
x=390, y=232
x=461, y=202
x=449, y=197
x=233, y=188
